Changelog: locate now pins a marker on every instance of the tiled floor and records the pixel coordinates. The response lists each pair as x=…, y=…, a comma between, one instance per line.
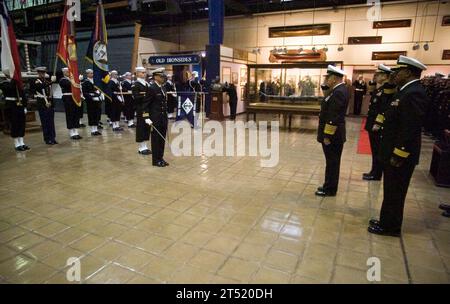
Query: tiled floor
x=207, y=220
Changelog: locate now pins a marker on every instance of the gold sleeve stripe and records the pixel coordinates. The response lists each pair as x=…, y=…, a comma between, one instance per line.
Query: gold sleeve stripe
x=401, y=153
x=379, y=118
x=389, y=91
x=145, y=115
x=329, y=129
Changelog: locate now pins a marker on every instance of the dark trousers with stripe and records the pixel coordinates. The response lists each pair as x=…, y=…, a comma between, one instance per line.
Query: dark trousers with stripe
x=395, y=183
x=333, y=154
x=157, y=140
x=377, y=166
x=47, y=116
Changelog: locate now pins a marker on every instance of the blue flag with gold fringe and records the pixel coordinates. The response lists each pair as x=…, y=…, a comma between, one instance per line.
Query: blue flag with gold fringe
x=97, y=53
x=186, y=106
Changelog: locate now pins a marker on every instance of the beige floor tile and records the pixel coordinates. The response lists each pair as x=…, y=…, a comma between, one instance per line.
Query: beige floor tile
x=172, y=231
x=352, y=259
x=296, y=279
x=427, y=276
x=190, y=275
x=161, y=269
x=60, y=278
x=281, y=261
x=315, y=269
x=35, y=274
x=6, y=252
x=346, y=275
x=320, y=252
x=156, y=244
x=222, y=244
x=43, y=249
x=238, y=269
x=88, y=243
x=251, y=252
x=111, y=274
x=197, y=238
x=425, y=259
x=13, y=266
x=58, y=259
x=140, y=279
x=69, y=236
x=208, y=260
x=110, y=251
x=135, y=259
x=133, y=237
x=181, y=252
x=90, y=265
x=270, y=276
x=25, y=241
x=51, y=229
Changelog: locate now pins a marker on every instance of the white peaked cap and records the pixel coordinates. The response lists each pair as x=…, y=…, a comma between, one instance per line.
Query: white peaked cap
x=127, y=74
x=159, y=71
x=140, y=69
x=331, y=69
x=113, y=72
x=404, y=62
x=89, y=71
x=65, y=69
x=384, y=69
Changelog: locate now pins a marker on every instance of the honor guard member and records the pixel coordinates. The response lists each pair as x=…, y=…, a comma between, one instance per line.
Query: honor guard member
x=169, y=86
x=93, y=102
x=71, y=109
x=45, y=105
x=194, y=86
x=15, y=112
x=129, y=101
x=141, y=100
x=360, y=90
x=331, y=131
x=158, y=116
x=400, y=144
x=117, y=101
x=379, y=102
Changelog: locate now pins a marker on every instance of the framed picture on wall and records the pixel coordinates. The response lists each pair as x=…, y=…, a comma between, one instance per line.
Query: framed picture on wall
x=243, y=76
x=226, y=74
x=235, y=78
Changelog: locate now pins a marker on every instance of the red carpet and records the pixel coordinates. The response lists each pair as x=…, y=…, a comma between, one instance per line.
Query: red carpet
x=363, y=142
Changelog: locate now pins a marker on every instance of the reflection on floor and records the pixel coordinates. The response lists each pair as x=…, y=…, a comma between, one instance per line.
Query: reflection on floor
x=217, y=219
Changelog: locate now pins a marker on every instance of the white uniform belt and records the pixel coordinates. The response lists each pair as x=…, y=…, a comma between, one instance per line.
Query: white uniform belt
x=95, y=98
x=13, y=98
x=359, y=89
x=67, y=94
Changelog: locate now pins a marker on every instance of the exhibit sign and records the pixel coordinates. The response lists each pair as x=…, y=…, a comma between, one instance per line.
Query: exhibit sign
x=174, y=59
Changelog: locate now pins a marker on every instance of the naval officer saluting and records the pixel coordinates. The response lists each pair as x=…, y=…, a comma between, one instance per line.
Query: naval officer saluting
x=331, y=131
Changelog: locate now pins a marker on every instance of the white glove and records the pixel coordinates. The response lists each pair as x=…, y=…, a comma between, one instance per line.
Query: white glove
x=120, y=98
x=53, y=78
x=148, y=121
x=80, y=77
x=375, y=128
x=25, y=111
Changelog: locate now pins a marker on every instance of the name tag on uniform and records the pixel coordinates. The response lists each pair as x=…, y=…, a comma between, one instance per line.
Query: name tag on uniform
x=395, y=103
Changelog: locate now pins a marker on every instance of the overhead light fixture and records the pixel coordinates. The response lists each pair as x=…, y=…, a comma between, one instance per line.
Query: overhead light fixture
x=340, y=48
x=416, y=46
x=426, y=46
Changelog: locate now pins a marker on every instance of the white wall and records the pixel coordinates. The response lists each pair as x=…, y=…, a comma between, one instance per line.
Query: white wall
x=148, y=47
x=250, y=32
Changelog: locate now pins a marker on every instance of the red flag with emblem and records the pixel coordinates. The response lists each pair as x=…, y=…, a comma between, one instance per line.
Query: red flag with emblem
x=67, y=52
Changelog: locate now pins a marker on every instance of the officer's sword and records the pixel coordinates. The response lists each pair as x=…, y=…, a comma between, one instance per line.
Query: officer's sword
x=159, y=133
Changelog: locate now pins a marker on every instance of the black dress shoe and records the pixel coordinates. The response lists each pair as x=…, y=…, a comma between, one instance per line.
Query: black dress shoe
x=159, y=164
x=446, y=213
x=20, y=148
x=25, y=147
x=100, y=123
x=374, y=222
x=371, y=178
x=82, y=125
x=145, y=152
x=100, y=127
x=49, y=143
x=96, y=133
x=55, y=142
x=132, y=126
x=76, y=137
x=118, y=129
x=320, y=188
x=382, y=231
x=325, y=193
x=445, y=207
x=165, y=163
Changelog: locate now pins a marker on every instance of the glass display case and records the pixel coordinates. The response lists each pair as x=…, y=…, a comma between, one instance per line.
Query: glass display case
x=293, y=83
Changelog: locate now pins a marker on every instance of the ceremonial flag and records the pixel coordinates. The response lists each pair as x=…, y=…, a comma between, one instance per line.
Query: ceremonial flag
x=10, y=52
x=67, y=52
x=186, y=106
x=97, y=54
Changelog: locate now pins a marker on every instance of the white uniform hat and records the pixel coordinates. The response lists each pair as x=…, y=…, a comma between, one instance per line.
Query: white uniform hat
x=65, y=69
x=113, y=72
x=159, y=71
x=140, y=69
x=195, y=73
x=331, y=69
x=409, y=62
x=127, y=74
x=89, y=71
x=383, y=69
